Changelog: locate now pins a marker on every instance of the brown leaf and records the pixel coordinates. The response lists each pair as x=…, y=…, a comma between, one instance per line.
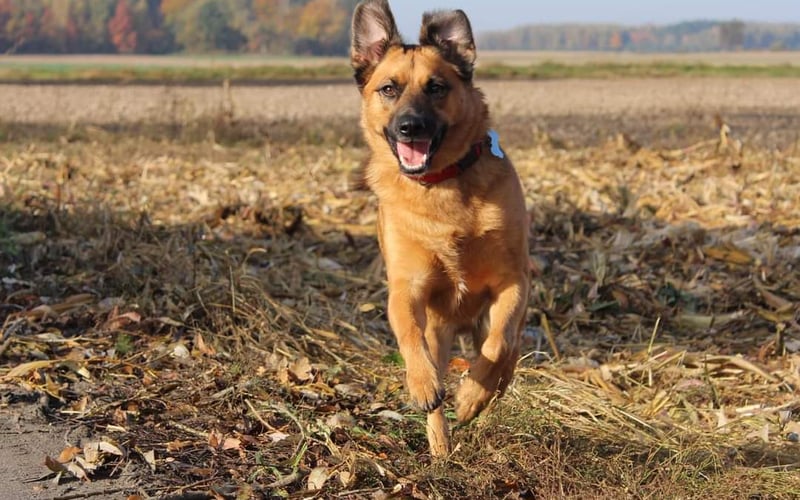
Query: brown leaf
x=116, y=322
x=26, y=368
x=214, y=439
x=301, y=369
x=177, y=445
x=54, y=465
x=317, y=478
x=728, y=253
x=458, y=365
x=231, y=443
x=202, y=347
x=68, y=454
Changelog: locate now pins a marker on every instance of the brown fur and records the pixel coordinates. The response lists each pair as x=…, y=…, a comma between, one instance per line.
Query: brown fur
x=456, y=252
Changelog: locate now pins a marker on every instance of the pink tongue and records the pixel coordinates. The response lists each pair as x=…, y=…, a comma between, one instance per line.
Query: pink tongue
x=413, y=153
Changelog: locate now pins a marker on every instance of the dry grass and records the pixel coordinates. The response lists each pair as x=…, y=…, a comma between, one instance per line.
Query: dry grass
x=215, y=310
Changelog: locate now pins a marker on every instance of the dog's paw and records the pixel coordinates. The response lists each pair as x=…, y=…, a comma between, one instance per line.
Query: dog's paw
x=424, y=387
x=471, y=399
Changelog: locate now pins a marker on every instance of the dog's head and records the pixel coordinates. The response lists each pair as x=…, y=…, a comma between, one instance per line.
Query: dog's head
x=417, y=99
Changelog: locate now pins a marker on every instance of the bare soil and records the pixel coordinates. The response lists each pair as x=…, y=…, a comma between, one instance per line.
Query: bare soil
x=666, y=111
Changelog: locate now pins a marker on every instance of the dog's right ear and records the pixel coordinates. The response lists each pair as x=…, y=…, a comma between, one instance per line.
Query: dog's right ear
x=373, y=32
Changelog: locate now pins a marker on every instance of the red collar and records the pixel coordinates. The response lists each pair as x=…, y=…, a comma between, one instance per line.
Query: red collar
x=455, y=169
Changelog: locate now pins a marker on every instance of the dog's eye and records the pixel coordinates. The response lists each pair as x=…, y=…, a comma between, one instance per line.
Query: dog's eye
x=436, y=89
x=388, y=90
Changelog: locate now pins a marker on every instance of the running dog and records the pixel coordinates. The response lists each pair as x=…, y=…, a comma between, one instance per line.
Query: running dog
x=452, y=223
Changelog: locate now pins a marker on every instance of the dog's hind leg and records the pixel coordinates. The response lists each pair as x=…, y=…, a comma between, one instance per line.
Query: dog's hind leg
x=498, y=351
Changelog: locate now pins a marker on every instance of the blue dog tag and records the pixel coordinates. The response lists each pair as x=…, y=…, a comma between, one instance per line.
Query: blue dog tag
x=495, y=144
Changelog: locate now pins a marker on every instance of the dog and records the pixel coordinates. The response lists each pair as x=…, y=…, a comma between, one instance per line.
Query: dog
x=452, y=223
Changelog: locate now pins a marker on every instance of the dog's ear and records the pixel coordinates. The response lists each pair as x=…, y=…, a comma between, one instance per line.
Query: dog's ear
x=373, y=32
x=451, y=32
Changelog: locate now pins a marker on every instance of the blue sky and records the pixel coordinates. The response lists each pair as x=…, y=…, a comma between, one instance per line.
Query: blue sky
x=501, y=14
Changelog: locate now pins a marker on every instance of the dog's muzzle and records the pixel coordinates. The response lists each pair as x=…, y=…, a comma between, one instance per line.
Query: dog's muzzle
x=414, y=139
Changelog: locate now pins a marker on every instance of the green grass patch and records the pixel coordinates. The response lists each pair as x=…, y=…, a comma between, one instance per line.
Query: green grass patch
x=122, y=73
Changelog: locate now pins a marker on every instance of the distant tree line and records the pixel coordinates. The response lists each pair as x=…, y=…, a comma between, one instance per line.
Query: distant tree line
x=691, y=36
x=167, y=26
x=318, y=27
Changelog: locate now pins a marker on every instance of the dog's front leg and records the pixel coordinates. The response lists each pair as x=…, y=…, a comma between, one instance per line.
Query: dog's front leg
x=408, y=320
x=492, y=370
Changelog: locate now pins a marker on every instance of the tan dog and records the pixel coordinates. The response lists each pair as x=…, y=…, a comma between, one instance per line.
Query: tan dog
x=452, y=223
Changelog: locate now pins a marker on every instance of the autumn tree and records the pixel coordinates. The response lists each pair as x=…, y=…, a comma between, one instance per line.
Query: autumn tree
x=121, y=28
x=322, y=27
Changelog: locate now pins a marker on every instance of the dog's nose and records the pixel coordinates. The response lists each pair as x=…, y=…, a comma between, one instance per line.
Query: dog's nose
x=411, y=126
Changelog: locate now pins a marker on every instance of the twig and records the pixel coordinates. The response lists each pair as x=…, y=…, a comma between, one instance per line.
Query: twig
x=549, y=334
x=284, y=481
x=5, y=344
x=189, y=430
x=299, y=450
x=258, y=417
x=89, y=494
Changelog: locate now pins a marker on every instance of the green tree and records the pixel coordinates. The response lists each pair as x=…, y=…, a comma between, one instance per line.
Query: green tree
x=731, y=35
x=206, y=26
x=87, y=29
x=154, y=35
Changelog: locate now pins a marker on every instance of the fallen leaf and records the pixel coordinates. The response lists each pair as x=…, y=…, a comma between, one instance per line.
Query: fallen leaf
x=278, y=436
x=107, y=447
x=326, y=264
x=78, y=471
x=317, y=478
x=365, y=308
x=68, y=454
x=728, y=253
x=341, y=420
x=26, y=368
x=202, y=347
x=177, y=445
x=180, y=351
x=214, y=439
x=150, y=458
x=762, y=434
x=54, y=465
x=722, y=421
x=458, y=365
x=391, y=415
x=231, y=444
x=77, y=368
x=345, y=478
x=349, y=390
x=301, y=370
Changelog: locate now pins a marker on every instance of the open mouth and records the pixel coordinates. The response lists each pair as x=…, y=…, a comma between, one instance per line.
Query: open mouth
x=415, y=155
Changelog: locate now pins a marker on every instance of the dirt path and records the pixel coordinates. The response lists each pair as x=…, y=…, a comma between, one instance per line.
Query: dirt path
x=26, y=438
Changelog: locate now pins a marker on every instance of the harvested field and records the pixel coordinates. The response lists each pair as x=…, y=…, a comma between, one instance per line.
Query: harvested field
x=193, y=306
x=664, y=112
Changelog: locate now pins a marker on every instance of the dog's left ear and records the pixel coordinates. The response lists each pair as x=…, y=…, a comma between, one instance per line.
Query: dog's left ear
x=451, y=32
